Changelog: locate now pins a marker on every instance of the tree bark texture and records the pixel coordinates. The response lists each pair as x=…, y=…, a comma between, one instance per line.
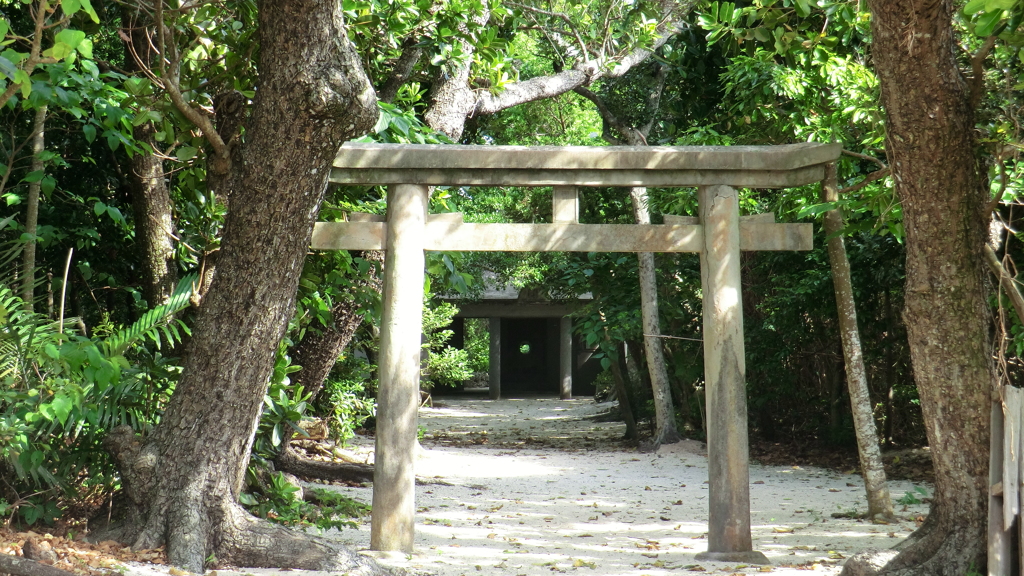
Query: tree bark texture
x=28, y=269
x=17, y=566
x=930, y=145
x=664, y=413
x=871, y=465
x=622, y=391
x=186, y=478
x=412, y=52
x=151, y=201
x=154, y=225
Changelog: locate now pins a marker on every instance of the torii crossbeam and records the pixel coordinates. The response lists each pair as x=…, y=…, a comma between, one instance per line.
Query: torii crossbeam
x=718, y=234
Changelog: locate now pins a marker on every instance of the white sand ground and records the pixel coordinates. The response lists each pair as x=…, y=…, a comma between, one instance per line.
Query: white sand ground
x=496, y=498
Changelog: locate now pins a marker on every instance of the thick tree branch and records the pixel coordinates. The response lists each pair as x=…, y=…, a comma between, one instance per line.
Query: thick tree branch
x=881, y=165
x=654, y=101
x=583, y=73
x=404, y=66
x=876, y=175
x=608, y=120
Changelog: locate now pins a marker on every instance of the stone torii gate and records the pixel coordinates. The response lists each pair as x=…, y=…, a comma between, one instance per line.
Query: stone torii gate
x=718, y=235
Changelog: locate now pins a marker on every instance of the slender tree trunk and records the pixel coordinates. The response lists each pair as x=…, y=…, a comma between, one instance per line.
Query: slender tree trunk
x=872, y=468
x=185, y=479
x=621, y=389
x=931, y=148
x=151, y=201
x=28, y=269
x=154, y=225
x=664, y=412
x=318, y=351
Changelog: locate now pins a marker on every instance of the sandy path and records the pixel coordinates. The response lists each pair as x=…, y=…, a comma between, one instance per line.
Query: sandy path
x=532, y=487
x=511, y=503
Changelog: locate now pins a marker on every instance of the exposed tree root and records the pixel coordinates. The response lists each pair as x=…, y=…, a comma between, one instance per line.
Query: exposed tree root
x=289, y=461
x=196, y=516
x=929, y=551
x=669, y=436
x=18, y=566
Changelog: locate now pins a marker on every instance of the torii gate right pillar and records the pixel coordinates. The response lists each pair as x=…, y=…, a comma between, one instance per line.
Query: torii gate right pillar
x=725, y=384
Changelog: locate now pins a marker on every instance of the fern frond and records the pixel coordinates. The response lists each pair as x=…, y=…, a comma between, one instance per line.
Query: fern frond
x=153, y=320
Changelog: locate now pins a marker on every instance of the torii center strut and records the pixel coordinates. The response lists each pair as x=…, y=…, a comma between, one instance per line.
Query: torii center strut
x=718, y=234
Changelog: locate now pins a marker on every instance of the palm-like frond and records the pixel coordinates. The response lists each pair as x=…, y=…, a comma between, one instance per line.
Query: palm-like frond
x=155, y=322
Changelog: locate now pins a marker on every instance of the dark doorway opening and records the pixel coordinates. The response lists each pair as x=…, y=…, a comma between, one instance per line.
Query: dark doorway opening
x=529, y=356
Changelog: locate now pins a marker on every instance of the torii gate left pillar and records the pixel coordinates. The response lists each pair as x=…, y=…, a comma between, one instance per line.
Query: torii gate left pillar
x=399, y=371
x=718, y=235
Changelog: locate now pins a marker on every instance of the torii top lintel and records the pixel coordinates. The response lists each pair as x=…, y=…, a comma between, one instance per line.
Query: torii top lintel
x=566, y=168
x=781, y=166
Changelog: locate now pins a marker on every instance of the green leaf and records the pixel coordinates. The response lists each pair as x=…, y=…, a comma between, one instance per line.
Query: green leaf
x=136, y=86
x=987, y=23
x=71, y=6
x=116, y=215
x=5, y=27
x=992, y=5
x=85, y=48
x=974, y=6
x=21, y=77
x=89, y=131
x=47, y=185
x=62, y=406
x=186, y=153
x=99, y=208
x=70, y=37
x=87, y=7
x=7, y=68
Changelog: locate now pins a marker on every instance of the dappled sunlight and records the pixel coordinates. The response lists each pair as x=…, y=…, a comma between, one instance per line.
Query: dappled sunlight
x=502, y=508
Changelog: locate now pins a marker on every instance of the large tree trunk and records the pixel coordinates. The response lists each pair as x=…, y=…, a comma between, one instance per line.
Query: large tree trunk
x=871, y=466
x=931, y=147
x=186, y=478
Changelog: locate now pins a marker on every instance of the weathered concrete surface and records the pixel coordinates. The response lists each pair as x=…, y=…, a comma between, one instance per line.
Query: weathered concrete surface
x=724, y=375
x=494, y=358
x=562, y=237
x=443, y=156
x=744, y=166
x=565, y=205
x=513, y=309
x=394, y=488
x=535, y=177
x=565, y=358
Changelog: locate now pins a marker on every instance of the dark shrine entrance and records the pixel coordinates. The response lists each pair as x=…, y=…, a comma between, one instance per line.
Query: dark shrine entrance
x=531, y=355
